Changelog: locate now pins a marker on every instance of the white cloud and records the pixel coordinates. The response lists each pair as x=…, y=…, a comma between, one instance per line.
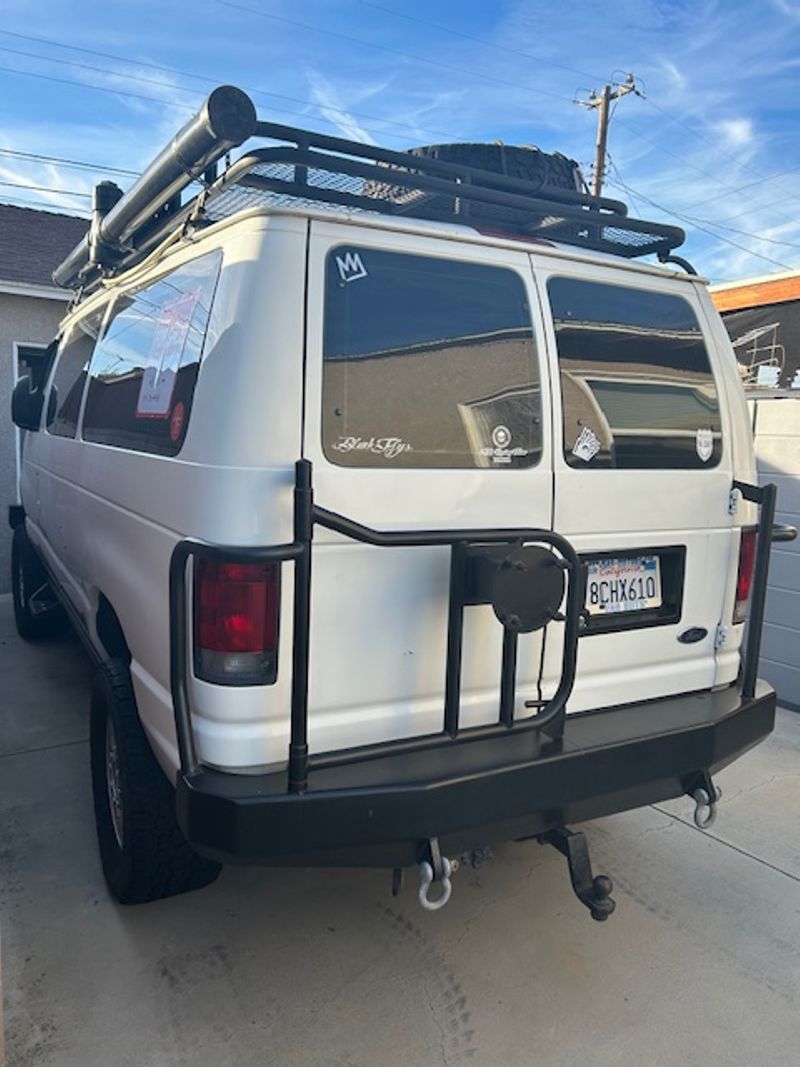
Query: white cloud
x=679, y=80
x=327, y=98
x=738, y=133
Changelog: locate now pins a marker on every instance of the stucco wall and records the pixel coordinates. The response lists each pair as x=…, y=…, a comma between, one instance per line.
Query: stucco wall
x=26, y=320
x=777, y=438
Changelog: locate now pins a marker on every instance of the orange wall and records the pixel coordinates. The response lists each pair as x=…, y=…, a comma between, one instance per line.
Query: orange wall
x=757, y=294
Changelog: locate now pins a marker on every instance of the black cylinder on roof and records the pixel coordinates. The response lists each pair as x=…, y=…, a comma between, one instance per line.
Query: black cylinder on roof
x=226, y=120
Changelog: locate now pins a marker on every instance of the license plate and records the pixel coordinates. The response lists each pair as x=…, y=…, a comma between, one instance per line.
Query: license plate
x=617, y=585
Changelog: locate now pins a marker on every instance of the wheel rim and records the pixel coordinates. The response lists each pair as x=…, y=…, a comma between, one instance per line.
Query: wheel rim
x=113, y=782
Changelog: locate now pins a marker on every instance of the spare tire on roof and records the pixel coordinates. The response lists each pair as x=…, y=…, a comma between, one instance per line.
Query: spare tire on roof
x=516, y=161
x=529, y=164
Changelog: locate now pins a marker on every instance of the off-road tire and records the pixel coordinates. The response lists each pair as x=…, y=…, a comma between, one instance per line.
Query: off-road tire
x=154, y=860
x=27, y=576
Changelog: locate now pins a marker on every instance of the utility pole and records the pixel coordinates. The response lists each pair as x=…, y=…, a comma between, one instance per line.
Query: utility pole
x=602, y=101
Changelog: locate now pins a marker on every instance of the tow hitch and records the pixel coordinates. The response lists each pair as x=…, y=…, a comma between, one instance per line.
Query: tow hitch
x=706, y=796
x=593, y=891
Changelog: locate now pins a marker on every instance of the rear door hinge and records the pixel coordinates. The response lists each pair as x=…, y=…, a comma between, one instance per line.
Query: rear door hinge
x=733, y=501
x=720, y=637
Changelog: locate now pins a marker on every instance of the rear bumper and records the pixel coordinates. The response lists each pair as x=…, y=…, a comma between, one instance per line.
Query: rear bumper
x=382, y=811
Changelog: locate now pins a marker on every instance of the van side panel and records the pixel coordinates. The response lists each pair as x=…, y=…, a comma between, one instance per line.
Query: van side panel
x=231, y=482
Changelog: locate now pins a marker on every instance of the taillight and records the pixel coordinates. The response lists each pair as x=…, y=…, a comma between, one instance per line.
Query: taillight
x=236, y=622
x=744, y=580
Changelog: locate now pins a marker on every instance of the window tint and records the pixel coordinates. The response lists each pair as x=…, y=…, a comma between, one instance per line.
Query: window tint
x=70, y=373
x=637, y=387
x=427, y=363
x=144, y=371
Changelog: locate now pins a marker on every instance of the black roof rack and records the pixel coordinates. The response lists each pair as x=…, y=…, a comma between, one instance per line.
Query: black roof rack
x=315, y=170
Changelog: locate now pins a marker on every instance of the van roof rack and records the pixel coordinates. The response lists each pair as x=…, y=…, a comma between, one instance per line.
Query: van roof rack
x=316, y=170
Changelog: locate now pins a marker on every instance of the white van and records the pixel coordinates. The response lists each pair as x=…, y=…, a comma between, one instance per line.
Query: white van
x=402, y=512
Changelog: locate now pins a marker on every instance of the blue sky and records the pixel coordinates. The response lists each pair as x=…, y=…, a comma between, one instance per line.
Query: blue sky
x=712, y=145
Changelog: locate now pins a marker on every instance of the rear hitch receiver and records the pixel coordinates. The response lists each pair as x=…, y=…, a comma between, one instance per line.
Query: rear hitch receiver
x=593, y=891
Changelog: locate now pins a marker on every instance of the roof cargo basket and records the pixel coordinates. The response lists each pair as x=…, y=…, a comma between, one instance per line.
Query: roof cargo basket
x=313, y=170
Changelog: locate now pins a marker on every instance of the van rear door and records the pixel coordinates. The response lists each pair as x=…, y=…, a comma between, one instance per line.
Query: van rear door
x=642, y=477
x=424, y=411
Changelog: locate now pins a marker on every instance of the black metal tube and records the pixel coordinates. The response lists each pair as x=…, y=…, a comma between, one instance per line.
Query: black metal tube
x=679, y=261
x=178, y=651
x=226, y=119
x=277, y=132
x=415, y=538
x=447, y=187
x=179, y=627
x=508, y=677
x=455, y=640
x=758, y=600
x=303, y=531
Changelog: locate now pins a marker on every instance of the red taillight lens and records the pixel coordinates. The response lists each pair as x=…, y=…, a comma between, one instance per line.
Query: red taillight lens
x=744, y=581
x=236, y=622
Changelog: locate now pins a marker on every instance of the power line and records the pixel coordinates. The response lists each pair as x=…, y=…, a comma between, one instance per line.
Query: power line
x=745, y=233
x=43, y=204
x=677, y=214
x=47, y=189
x=210, y=81
x=97, y=88
x=713, y=144
x=140, y=96
x=561, y=66
x=480, y=40
x=749, y=185
x=387, y=48
x=686, y=162
x=36, y=157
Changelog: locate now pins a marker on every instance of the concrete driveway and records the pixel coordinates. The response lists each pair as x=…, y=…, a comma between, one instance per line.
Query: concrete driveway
x=700, y=964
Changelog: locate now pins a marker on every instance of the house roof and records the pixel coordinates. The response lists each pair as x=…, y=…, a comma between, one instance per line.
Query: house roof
x=33, y=243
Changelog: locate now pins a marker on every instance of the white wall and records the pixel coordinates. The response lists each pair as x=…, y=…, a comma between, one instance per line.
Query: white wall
x=777, y=440
x=23, y=320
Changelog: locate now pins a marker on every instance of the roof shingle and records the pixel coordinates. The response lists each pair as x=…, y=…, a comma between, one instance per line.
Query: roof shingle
x=33, y=243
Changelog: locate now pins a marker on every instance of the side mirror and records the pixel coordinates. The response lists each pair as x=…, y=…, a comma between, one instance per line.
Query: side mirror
x=26, y=405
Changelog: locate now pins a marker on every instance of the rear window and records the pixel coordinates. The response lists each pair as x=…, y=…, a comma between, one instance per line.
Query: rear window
x=636, y=383
x=143, y=371
x=427, y=363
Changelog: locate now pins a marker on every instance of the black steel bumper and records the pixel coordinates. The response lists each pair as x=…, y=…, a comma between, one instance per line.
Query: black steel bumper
x=382, y=811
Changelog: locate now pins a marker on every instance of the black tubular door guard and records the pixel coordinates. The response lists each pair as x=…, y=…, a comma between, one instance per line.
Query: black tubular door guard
x=765, y=496
x=550, y=717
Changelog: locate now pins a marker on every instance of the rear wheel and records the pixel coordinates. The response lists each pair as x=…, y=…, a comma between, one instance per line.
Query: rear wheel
x=143, y=852
x=37, y=612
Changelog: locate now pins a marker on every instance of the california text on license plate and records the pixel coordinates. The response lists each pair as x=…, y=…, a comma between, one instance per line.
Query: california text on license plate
x=614, y=585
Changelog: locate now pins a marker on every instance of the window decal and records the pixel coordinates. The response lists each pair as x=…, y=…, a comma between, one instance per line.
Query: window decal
x=587, y=445
x=164, y=357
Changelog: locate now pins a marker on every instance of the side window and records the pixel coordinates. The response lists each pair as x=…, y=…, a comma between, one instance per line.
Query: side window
x=69, y=375
x=427, y=363
x=636, y=384
x=143, y=373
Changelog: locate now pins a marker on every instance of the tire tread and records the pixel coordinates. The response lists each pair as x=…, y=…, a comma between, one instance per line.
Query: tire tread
x=157, y=860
